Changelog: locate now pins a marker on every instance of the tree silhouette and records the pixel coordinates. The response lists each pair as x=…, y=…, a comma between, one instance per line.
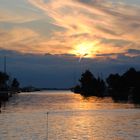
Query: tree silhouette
x=15, y=85
x=7, y=89
x=88, y=83
x=3, y=80
x=90, y=86
x=125, y=86
x=101, y=87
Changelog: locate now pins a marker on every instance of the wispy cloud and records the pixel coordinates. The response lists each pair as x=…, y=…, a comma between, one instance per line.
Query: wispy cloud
x=18, y=39
x=112, y=26
x=26, y=40
x=118, y=22
x=17, y=12
x=7, y=16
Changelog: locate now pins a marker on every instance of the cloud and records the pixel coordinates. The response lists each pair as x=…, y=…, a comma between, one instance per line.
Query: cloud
x=119, y=43
x=25, y=40
x=41, y=38
x=18, y=39
x=18, y=12
x=12, y=17
x=93, y=20
x=111, y=26
x=130, y=53
x=109, y=54
x=134, y=51
x=60, y=70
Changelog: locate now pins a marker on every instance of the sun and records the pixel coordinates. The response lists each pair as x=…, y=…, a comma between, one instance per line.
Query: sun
x=84, y=49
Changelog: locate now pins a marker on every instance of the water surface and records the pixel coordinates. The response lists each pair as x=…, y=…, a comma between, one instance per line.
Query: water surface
x=71, y=117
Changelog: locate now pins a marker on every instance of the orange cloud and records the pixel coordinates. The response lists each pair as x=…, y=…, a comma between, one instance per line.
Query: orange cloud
x=96, y=19
x=115, y=26
x=28, y=41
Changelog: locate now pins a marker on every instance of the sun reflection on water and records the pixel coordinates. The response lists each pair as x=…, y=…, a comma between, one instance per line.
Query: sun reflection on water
x=71, y=117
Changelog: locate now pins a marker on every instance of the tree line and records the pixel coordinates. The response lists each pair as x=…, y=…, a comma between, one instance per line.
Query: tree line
x=8, y=87
x=7, y=83
x=125, y=87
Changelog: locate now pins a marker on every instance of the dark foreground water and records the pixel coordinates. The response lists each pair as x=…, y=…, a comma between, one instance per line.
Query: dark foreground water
x=70, y=117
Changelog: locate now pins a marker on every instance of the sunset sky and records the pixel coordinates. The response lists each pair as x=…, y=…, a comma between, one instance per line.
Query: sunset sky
x=105, y=32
